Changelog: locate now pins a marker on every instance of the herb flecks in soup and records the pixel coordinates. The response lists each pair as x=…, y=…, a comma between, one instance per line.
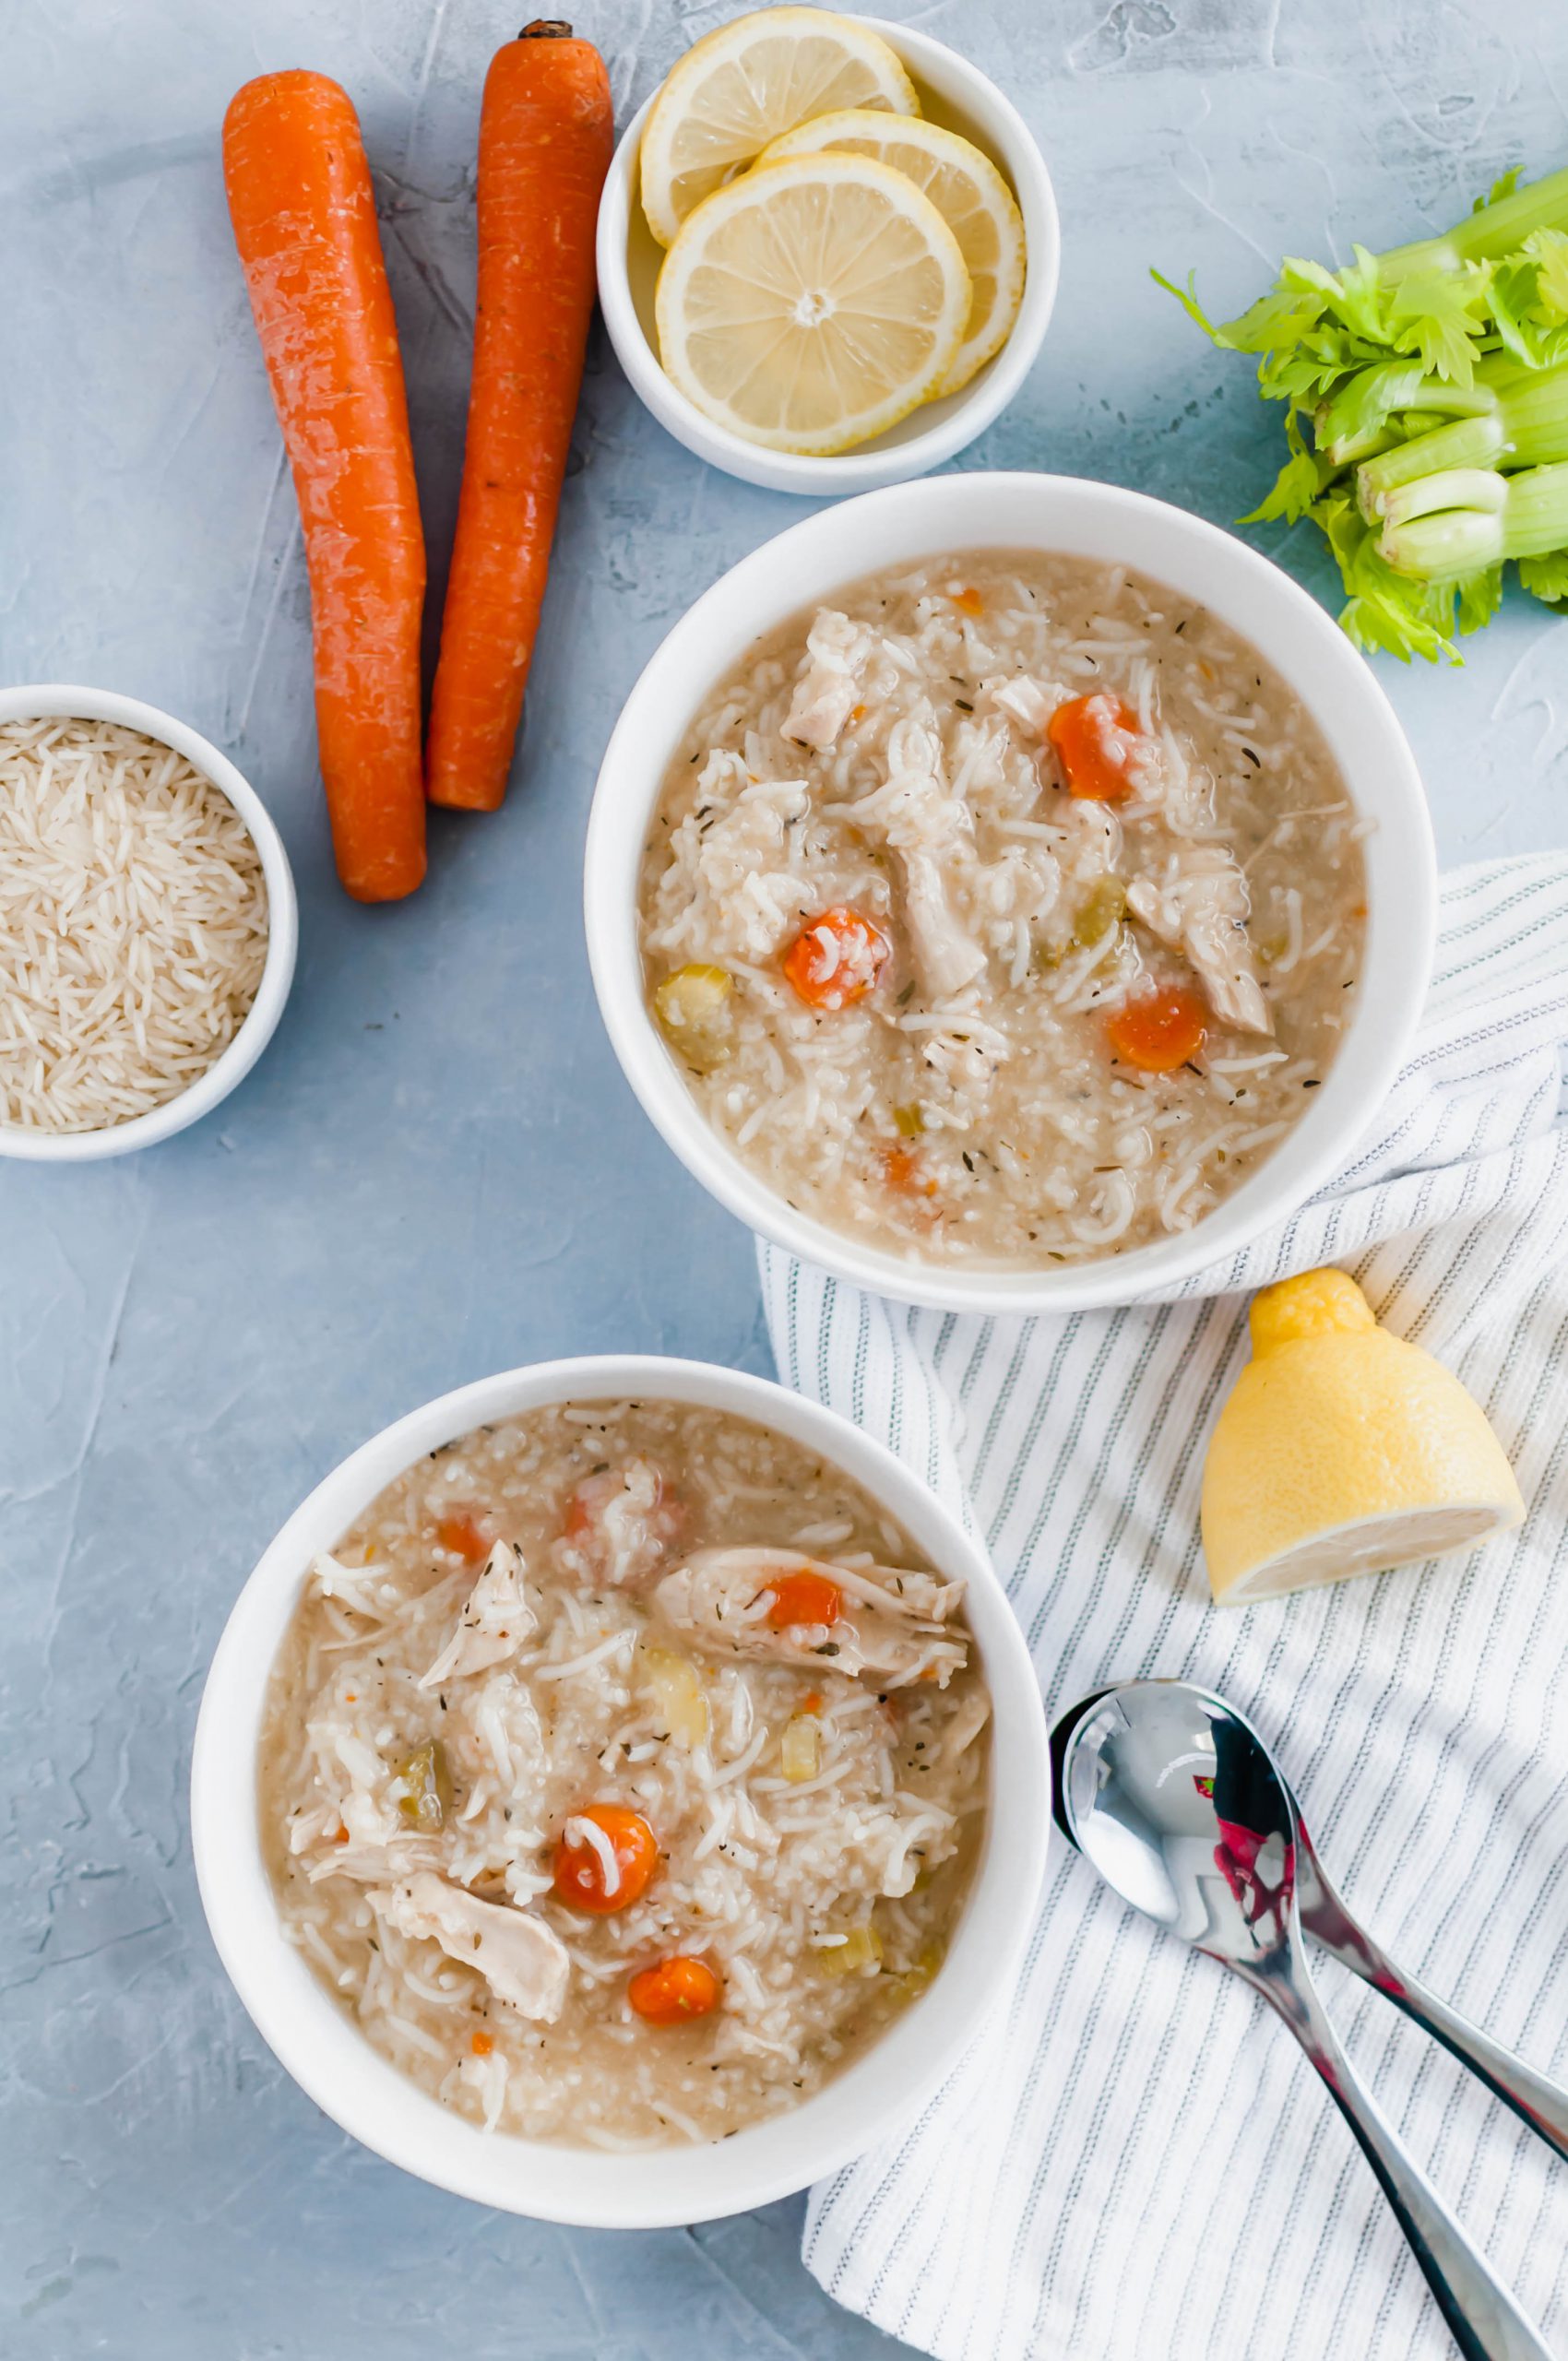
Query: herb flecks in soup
x=1005, y=911
x=622, y=1772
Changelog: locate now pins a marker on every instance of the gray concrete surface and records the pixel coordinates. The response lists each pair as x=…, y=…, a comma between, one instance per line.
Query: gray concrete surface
x=436, y=1170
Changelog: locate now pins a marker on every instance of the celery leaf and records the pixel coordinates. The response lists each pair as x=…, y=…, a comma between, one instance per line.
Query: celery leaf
x=1358, y=301
x=1296, y=487
x=1440, y=314
x=1365, y=403
x=1278, y=319
x=1549, y=250
x=1505, y=185
x=1188, y=299
x=1480, y=595
x=1546, y=578
x=1385, y=609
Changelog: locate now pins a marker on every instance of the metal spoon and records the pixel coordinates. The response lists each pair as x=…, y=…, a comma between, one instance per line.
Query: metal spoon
x=1175, y=1801
x=1541, y=2104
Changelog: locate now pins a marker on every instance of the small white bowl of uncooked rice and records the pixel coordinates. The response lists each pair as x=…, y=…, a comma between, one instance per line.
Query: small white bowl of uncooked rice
x=148, y=925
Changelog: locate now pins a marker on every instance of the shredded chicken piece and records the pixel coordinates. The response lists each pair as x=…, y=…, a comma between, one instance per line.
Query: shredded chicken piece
x=374, y=1863
x=969, y=1718
x=496, y=1745
x=892, y=1625
x=895, y=1590
x=350, y=1586
x=825, y=694
x=946, y=954
x=495, y=1620
x=749, y=893
x=1201, y=909
x=1023, y=700
x=620, y=1524
x=962, y=1060
x=931, y=830
x=522, y=1960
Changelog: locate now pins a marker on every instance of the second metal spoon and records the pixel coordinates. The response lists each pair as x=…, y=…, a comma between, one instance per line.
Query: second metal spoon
x=1543, y=2104
x=1174, y=1800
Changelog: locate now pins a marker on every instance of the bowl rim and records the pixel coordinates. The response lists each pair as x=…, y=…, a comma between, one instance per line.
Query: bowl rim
x=947, y=513
x=370, y=2098
x=75, y=701
x=972, y=410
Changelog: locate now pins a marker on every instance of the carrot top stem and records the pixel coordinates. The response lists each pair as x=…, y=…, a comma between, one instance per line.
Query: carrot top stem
x=546, y=29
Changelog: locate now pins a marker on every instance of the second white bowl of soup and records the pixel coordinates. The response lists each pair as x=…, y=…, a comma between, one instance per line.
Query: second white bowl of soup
x=620, y=1792
x=1009, y=893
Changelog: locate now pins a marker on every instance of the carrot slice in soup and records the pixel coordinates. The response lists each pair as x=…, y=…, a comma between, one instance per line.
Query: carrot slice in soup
x=1159, y=1030
x=1096, y=739
x=461, y=1534
x=837, y=957
x=902, y=1170
x=608, y=1872
x=805, y=1598
x=674, y=1992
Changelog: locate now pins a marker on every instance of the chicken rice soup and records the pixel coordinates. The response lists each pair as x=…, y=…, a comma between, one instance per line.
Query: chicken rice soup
x=622, y=1772
x=1006, y=910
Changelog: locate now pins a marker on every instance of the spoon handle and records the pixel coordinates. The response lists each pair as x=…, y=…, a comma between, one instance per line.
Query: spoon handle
x=1541, y=2104
x=1483, y=2318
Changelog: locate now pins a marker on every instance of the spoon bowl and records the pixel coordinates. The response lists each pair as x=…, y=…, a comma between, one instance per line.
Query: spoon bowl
x=1173, y=1798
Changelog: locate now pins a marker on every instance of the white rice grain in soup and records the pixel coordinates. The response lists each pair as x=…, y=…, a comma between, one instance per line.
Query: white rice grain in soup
x=133, y=924
x=622, y=1771
x=1006, y=910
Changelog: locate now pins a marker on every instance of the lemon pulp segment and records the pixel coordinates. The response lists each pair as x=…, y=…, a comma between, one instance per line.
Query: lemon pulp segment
x=744, y=83
x=967, y=190
x=813, y=304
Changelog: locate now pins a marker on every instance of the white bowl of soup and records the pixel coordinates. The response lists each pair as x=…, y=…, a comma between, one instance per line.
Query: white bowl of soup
x=1009, y=893
x=620, y=1792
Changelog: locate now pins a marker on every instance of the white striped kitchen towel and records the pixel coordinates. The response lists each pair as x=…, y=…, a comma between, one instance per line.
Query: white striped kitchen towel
x=1135, y=2163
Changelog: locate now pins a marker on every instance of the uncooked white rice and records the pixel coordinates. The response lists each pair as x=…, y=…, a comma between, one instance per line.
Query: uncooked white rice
x=133, y=924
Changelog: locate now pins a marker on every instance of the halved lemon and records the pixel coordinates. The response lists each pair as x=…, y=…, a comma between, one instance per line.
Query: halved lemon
x=1343, y=1450
x=812, y=304
x=967, y=190
x=744, y=83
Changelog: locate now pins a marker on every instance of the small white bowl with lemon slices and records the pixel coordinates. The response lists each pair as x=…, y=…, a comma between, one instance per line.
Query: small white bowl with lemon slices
x=983, y=335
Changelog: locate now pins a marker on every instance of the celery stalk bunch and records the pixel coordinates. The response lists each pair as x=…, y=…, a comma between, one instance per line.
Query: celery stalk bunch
x=1426, y=415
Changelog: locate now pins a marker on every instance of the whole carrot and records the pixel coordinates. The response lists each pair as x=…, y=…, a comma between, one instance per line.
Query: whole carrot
x=545, y=143
x=304, y=221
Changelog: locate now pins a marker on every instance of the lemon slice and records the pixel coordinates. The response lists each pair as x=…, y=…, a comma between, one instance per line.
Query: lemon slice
x=1343, y=1450
x=744, y=83
x=967, y=190
x=814, y=303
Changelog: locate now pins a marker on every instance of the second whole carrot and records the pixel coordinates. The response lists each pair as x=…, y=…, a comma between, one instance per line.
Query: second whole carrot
x=546, y=131
x=303, y=211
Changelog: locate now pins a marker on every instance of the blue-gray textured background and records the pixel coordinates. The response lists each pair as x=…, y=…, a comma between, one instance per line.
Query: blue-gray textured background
x=437, y=1171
